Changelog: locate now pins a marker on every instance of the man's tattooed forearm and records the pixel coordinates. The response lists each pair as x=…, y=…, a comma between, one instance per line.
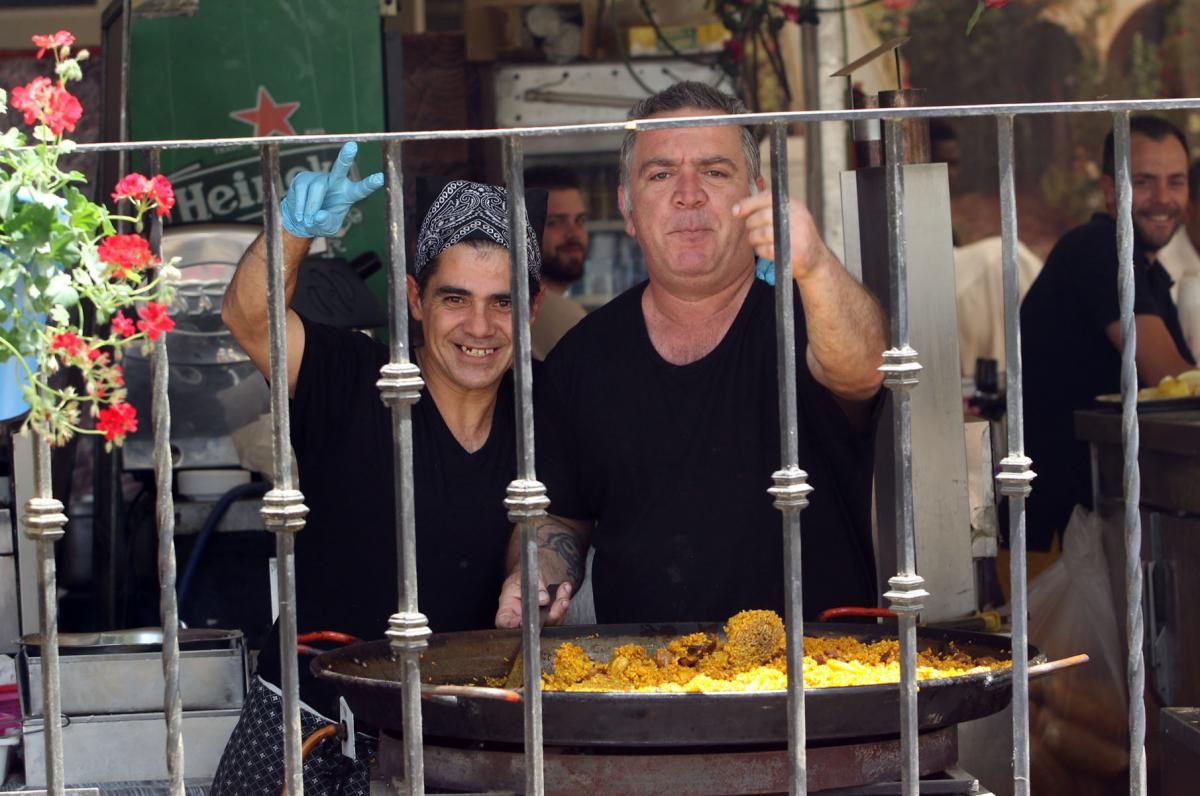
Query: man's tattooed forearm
x=564, y=543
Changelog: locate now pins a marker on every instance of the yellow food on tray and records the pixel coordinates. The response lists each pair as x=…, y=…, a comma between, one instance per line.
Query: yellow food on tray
x=752, y=658
x=1185, y=385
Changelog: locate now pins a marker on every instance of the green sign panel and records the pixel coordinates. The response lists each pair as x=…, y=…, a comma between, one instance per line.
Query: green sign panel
x=267, y=67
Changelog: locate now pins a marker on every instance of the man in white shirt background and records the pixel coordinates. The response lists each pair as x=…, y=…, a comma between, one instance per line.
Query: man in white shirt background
x=1181, y=258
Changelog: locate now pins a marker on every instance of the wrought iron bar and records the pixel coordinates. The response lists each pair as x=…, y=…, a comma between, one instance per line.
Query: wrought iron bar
x=44, y=520
x=791, y=488
x=283, y=508
x=790, y=117
x=168, y=607
x=1015, y=476
x=526, y=500
x=400, y=386
x=901, y=373
x=1131, y=475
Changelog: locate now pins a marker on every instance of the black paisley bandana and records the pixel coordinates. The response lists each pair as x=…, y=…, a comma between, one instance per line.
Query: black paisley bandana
x=469, y=210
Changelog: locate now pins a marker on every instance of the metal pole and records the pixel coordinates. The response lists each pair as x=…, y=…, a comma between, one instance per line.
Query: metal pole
x=901, y=373
x=283, y=508
x=814, y=164
x=44, y=520
x=1015, y=476
x=168, y=607
x=791, y=488
x=1132, y=475
x=400, y=386
x=526, y=500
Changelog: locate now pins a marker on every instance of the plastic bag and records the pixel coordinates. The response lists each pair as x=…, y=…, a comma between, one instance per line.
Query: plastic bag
x=1078, y=717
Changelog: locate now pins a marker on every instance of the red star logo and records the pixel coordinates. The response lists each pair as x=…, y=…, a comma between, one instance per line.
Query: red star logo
x=267, y=116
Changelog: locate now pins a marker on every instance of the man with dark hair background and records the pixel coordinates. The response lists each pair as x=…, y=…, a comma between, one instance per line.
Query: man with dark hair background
x=1070, y=328
x=564, y=248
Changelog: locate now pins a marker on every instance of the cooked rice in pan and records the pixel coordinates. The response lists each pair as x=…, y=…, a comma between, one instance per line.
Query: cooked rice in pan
x=752, y=658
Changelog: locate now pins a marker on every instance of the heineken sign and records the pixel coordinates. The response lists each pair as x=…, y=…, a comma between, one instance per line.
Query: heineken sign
x=259, y=69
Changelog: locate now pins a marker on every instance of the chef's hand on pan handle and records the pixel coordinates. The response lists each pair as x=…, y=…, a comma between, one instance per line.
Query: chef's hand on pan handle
x=316, y=203
x=553, y=610
x=562, y=546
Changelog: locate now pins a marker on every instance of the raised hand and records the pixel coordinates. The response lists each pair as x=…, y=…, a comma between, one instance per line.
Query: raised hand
x=317, y=203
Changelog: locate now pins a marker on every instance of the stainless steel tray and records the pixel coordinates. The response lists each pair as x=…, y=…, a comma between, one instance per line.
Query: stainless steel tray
x=121, y=672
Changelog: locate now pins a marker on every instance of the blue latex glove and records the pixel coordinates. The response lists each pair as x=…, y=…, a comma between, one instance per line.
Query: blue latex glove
x=317, y=203
x=764, y=270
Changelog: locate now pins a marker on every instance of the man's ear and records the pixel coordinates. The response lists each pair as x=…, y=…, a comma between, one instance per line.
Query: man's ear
x=626, y=213
x=535, y=301
x=1108, y=186
x=761, y=182
x=414, y=298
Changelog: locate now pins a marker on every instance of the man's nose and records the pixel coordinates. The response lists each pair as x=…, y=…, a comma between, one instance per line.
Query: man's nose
x=478, y=324
x=688, y=191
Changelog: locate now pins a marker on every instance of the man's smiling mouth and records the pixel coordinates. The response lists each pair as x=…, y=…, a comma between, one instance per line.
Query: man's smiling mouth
x=476, y=352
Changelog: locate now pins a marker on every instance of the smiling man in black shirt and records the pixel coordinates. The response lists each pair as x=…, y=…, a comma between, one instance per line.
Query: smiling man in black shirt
x=464, y=449
x=1070, y=327
x=658, y=415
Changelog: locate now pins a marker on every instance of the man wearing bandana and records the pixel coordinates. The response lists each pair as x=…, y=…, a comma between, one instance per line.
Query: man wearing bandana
x=464, y=448
x=658, y=414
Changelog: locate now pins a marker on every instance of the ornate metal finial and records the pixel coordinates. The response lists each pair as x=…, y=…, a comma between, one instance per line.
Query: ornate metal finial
x=900, y=368
x=400, y=383
x=44, y=519
x=526, y=500
x=408, y=631
x=791, y=488
x=1015, y=478
x=907, y=595
x=284, y=510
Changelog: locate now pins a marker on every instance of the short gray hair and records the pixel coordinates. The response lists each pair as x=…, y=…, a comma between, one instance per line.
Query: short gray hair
x=681, y=96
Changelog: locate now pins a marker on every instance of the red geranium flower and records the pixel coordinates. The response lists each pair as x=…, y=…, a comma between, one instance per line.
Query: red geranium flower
x=31, y=97
x=131, y=186
x=995, y=3
x=125, y=253
x=62, y=110
x=899, y=5
x=117, y=421
x=54, y=106
x=160, y=191
x=53, y=40
x=123, y=325
x=791, y=12
x=68, y=343
x=154, y=320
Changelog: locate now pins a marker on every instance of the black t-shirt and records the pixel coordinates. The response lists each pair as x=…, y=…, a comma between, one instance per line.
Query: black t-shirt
x=346, y=559
x=674, y=462
x=1068, y=360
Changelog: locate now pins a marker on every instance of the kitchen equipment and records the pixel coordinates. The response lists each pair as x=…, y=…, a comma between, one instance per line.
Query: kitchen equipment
x=368, y=677
x=121, y=671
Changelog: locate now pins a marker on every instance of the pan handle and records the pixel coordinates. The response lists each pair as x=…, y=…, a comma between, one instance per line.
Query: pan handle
x=1037, y=670
x=856, y=611
x=1043, y=669
x=429, y=691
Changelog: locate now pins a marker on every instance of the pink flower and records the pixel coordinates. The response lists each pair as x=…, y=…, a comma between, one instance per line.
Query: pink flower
x=123, y=325
x=995, y=3
x=898, y=5
x=154, y=320
x=53, y=41
x=116, y=421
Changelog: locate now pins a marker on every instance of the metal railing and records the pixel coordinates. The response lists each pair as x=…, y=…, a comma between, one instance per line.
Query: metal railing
x=400, y=386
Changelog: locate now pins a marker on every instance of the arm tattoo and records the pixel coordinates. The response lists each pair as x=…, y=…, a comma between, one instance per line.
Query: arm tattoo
x=564, y=542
